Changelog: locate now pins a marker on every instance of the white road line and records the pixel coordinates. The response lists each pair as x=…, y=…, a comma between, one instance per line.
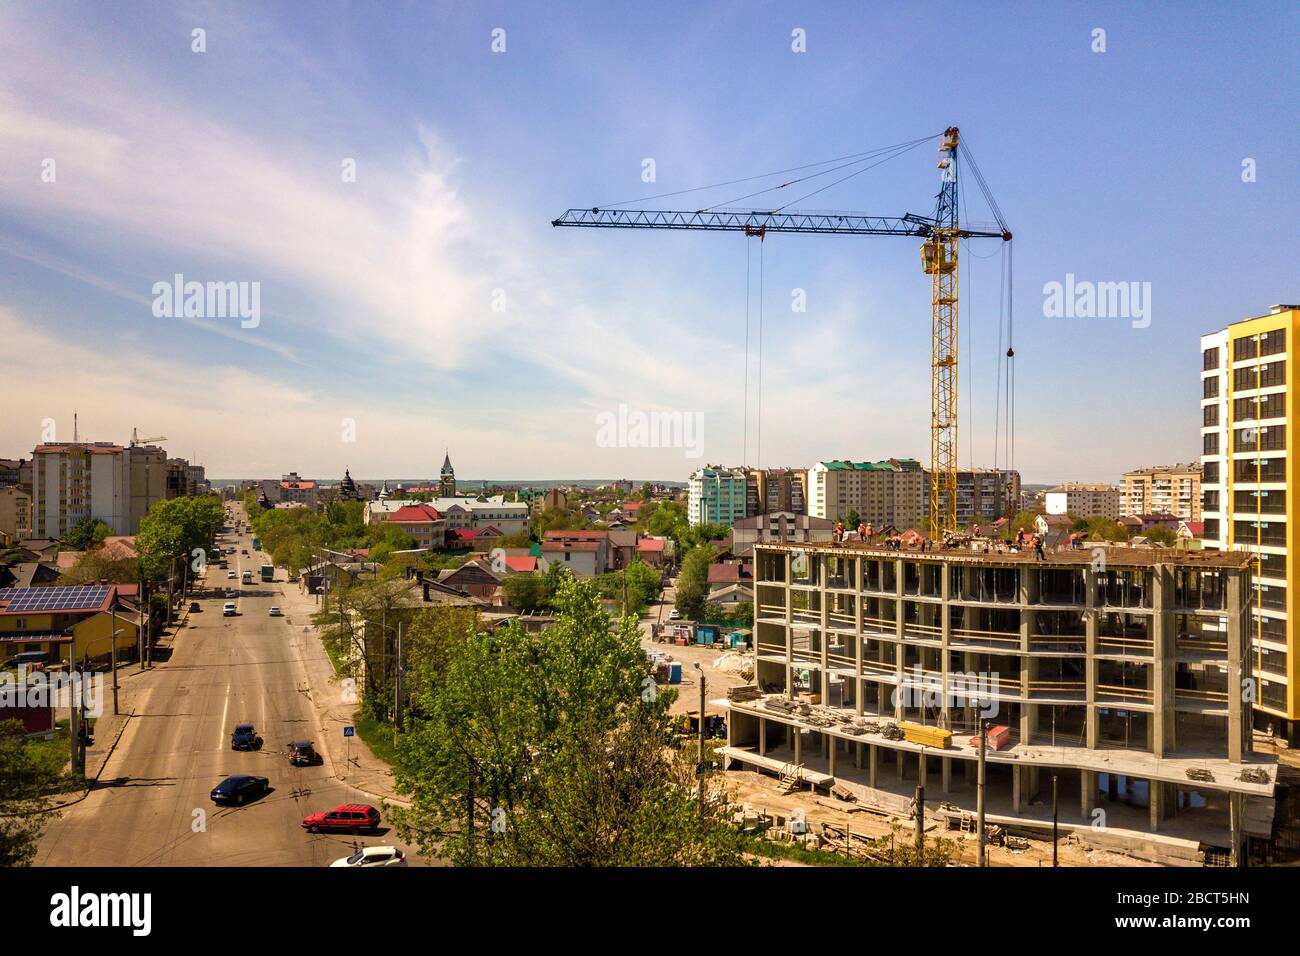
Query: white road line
x=225, y=710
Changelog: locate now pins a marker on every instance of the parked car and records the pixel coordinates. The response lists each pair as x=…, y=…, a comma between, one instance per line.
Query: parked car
x=303, y=754
x=231, y=574
x=349, y=818
x=374, y=856
x=194, y=606
x=276, y=612
x=228, y=609
x=240, y=788
x=29, y=659
x=674, y=615
x=244, y=737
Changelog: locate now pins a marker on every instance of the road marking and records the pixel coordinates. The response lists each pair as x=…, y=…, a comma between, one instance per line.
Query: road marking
x=225, y=709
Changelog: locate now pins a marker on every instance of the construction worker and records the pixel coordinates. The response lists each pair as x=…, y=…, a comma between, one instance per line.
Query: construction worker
x=1038, y=547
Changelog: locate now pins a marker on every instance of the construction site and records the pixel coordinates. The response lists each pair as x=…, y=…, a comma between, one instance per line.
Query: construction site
x=1112, y=681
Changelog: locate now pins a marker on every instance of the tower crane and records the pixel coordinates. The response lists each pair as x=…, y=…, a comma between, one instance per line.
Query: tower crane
x=941, y=234
x=136, y=440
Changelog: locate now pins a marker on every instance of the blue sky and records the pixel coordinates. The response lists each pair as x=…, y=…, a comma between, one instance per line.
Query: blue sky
x=377, y=295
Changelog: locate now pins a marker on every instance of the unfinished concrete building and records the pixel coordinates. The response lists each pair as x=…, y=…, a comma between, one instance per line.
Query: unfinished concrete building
x=1119, y=672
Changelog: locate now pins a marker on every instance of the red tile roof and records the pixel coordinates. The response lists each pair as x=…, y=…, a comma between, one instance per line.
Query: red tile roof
x=415, y=514
x=570, y=546
x=730, y=573
x=521, y=562
x=574, y=535
x=651, y=544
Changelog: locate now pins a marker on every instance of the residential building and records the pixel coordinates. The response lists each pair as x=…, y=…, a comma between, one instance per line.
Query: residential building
x=296, y=490
x=1097, y=680
x=885, y=493
x=983, y=495
x=423, y=523
x=779, y=527
x=586, y=553
x=1249, y=412
x=1084, y=500
x=1163, y=489
x=717, y=495
x=461, y=512
x=15, y=471
x=15, y=514
x=75, y=480
x=70, y=624
x=777, y=489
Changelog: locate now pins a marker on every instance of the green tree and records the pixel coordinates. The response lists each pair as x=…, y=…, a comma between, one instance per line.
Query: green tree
x=525, y=592
x=543, y=751
x=27, y=778
x=173, y=529
x=86, y=533
x=1161, y=536
x=96, y=566
x=693, y=581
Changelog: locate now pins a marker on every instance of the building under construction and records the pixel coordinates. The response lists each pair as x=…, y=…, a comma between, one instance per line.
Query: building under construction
x=1120, y=673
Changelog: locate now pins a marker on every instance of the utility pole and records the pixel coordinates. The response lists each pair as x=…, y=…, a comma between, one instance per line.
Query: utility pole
x=700, y=771
x=74, y=692
x=1055, y=862
x=920, y=821
x=112, y=641
x=397, y=685
x=979, y=798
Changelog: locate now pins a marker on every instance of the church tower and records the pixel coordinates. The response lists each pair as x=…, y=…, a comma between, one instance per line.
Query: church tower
x=447, y=486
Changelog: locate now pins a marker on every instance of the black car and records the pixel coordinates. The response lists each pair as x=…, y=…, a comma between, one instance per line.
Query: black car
x=239, y=789
x=194, y=606
x=245, y=738
x=303, y=754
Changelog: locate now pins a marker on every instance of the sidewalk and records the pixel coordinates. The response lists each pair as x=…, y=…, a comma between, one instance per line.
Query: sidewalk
x=351, y=761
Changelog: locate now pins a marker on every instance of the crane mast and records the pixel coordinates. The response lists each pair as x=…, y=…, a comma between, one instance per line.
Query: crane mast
x=941, y=234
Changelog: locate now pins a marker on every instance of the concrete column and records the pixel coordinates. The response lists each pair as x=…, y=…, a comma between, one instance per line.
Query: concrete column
x=1091, y=618
x=823, y=598
x=834, y=744
x=762, y=736
x=1087, y=784
x=1015, y=788
x=1028, y=588
x=1160, y=628
x=873, y=764
x=798, y=744
x=947, y=774
x=789, y=628
x=858, y=688
x=1240, y=717
x=945, y=628
x=857, y=756
x=1157, y=801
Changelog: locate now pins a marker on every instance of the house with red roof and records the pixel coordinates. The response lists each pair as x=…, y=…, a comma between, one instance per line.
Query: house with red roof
x=586, y=553
x=423, y=523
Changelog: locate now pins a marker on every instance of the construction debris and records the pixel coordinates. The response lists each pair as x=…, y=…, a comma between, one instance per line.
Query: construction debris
x=1201, y=774
x=744, y=692
x=1254, y=775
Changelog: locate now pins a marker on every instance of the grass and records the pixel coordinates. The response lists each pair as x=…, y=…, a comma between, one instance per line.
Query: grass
x=760, y=846
x=378, y=735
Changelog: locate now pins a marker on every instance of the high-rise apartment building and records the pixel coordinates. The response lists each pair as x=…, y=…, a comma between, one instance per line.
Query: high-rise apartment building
x=1248, y=414
x=1084, y=500
x=781, y=489
x=1163, y=490
x=75, y=480
x=983, y=495
x=717, y=495
x=890, y=492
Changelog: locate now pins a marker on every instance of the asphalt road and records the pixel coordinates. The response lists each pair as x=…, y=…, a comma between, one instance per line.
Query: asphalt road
x=151, y=806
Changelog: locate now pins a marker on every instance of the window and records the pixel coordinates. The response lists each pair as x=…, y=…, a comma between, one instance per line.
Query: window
x=1210, y=387
x=1250, y=470
x=1209, y=501
x=1271, y=343
x=1210, y=472
x=1210, y=415
x=1274, y=373
x=1244, y=379
x=1209, y=359
x=1244, y=348
x=1210, y=444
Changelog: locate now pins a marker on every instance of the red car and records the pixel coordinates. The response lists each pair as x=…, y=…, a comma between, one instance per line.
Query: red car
x=352, y=817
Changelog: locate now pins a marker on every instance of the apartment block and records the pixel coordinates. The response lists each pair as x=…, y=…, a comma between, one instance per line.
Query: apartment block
x=75, y=480
x=1163, y=490
x=1118, y=679
x=717, y=495
x=1084, y=500
x=983, y=494
x=780, y=490
x=15, y=513
x=1248, y=415
x=889, y=492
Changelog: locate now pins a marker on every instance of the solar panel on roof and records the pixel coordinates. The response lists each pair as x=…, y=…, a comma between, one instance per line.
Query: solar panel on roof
x=77, y=597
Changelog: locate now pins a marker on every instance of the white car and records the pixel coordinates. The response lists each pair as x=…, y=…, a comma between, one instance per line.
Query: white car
x=275, y=612
x=374, y=856
x=674, y=615
x=230, y=574
x=228, y=609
